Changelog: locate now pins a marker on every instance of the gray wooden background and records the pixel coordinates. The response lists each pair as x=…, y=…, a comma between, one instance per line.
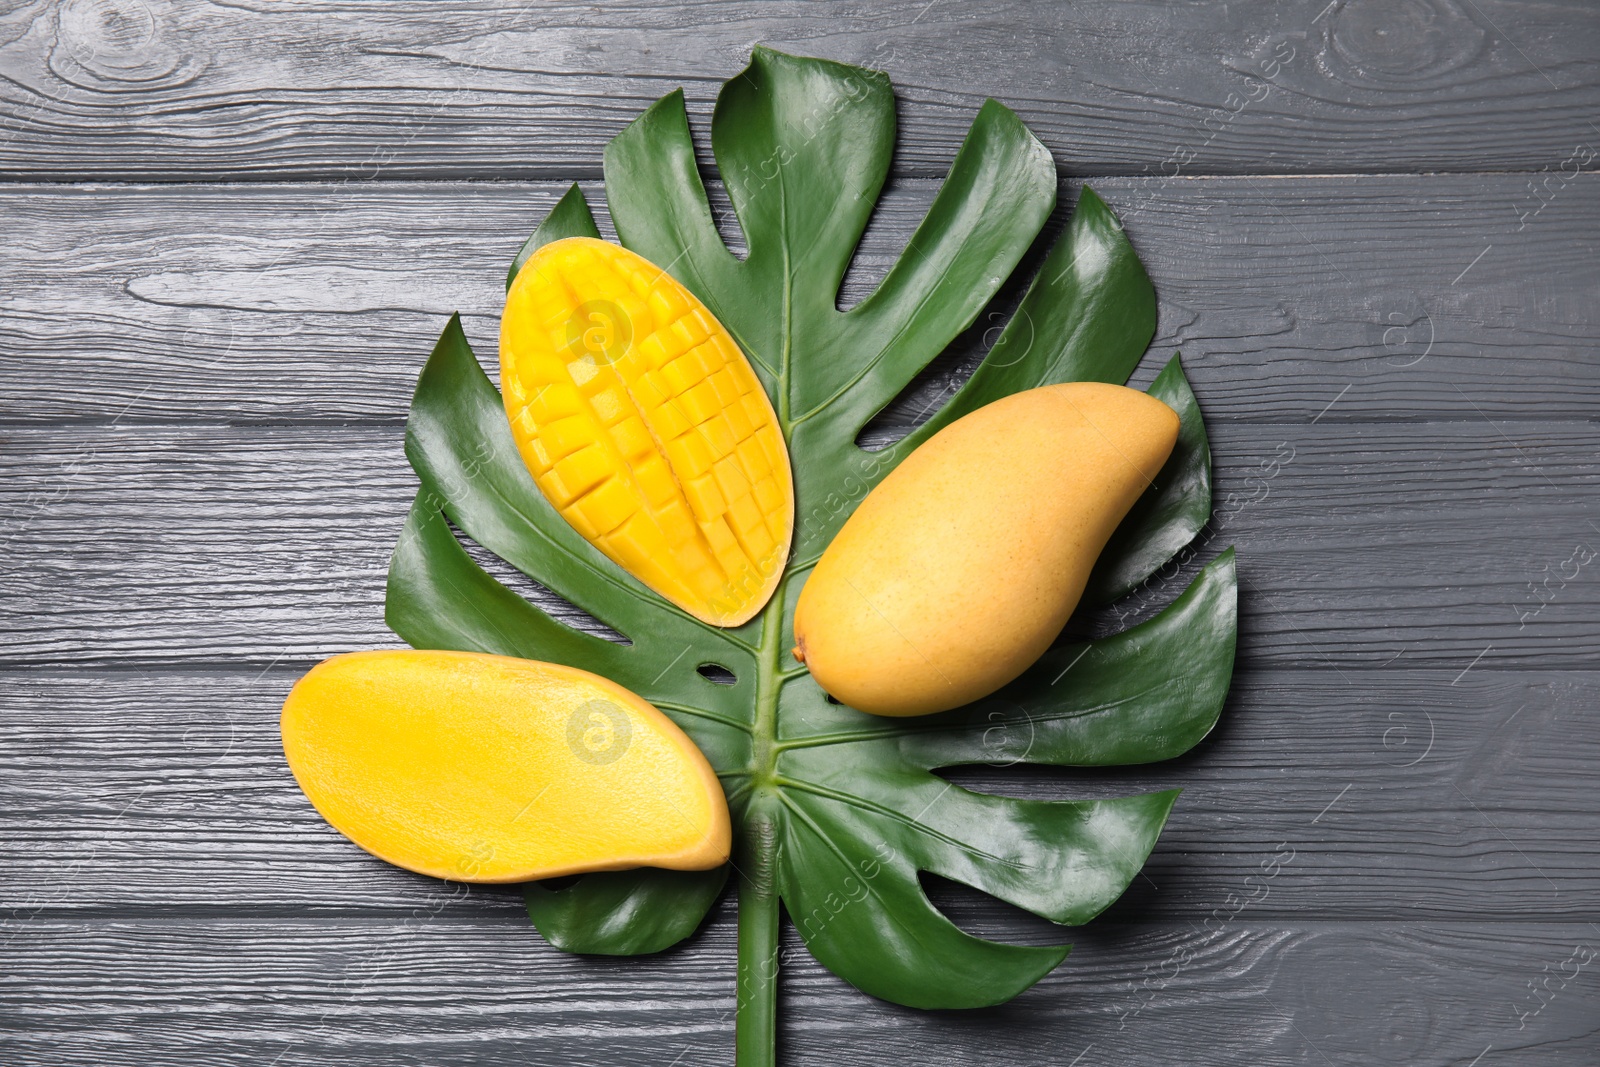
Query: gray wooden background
x=232, y=231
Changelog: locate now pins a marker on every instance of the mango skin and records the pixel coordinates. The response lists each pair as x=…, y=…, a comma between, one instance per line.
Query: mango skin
x=958, y=571
x=481, y=768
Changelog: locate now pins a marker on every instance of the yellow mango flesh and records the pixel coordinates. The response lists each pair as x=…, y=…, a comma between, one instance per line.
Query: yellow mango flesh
x=958, y=571
x=646, y=428
x=484, y=768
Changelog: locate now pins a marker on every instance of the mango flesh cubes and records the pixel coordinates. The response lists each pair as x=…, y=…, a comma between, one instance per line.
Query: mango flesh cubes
x=646, y=428
x=482, y=768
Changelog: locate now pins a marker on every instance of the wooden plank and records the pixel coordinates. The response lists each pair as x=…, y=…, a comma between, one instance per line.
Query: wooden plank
x=430, y=990
x=322, y=303
x=1452, y=545
x=1394, y=794
x=1383, y=855
x=1380, y=298
x=159, y=89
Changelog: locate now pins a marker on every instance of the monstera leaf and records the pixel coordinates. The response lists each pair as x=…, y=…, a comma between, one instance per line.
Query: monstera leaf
x=839, y=812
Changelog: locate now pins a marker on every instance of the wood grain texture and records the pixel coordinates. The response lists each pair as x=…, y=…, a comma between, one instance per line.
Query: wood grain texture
x=500, y=89
x=1361, y=544
x=1392, y=794
x=431, y=990
x=1371, y=228
x=1368, y=298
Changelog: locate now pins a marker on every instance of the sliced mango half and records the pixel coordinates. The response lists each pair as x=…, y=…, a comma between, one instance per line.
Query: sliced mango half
x=483, y=768
x=646, y=427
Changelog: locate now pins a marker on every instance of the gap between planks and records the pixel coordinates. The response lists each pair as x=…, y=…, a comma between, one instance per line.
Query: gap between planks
x=711, y=174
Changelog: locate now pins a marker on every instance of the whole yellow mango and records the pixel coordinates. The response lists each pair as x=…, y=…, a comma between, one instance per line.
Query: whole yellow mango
x=958, y=571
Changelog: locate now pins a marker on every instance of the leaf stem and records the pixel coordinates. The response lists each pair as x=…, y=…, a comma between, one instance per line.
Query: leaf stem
x=756, y=1010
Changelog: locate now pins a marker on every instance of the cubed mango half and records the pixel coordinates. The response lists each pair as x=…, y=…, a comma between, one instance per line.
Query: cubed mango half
x=645, y=426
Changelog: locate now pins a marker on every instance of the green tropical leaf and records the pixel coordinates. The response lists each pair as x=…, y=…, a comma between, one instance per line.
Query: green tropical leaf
x=569, y=218
x=839, y=812
x=1171, y=512
x=624, y=913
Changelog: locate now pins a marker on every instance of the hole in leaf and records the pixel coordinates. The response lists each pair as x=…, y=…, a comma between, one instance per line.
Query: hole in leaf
x=947, y=372
x=566, y=881
x=601, y=210
x=899, y=205
x=981, y=915
x=725, y=218
x=551, y=603
x=833, y=699
x=1148, y=600
x=717, y=674
x=932, y=388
